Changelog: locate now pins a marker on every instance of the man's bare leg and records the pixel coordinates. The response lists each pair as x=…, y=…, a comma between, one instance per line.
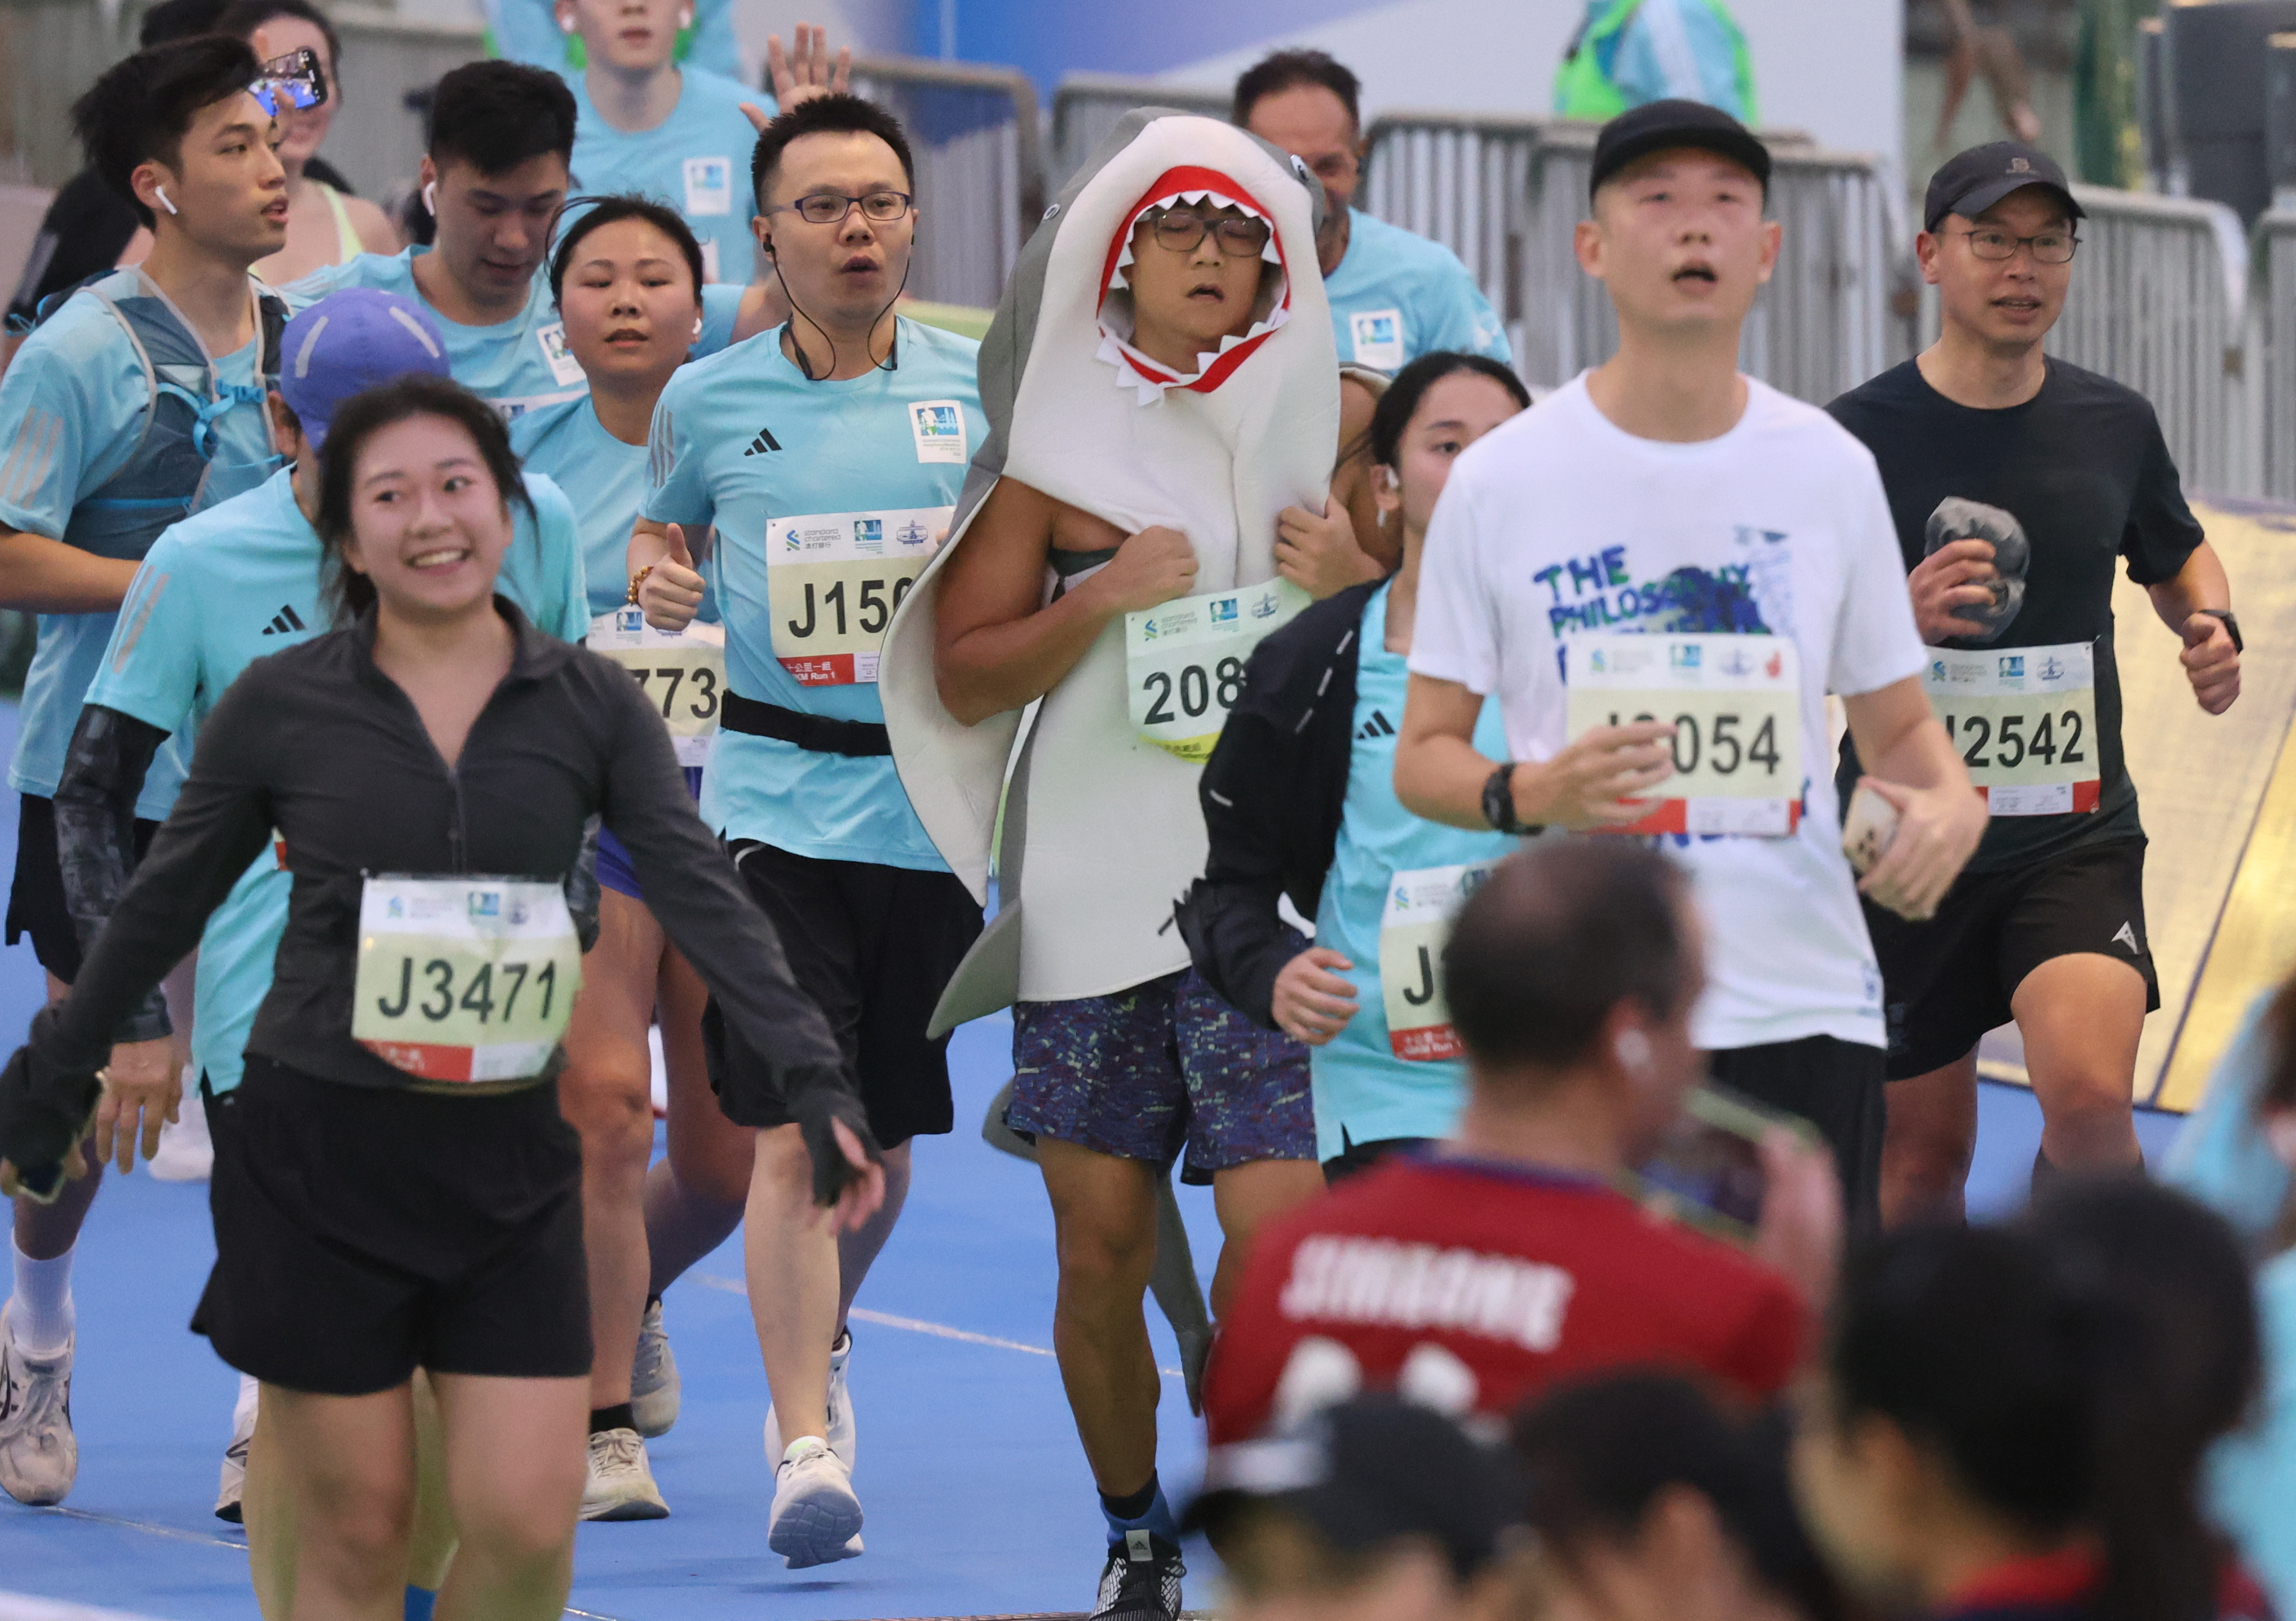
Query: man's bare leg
x=2082, y=1017
x=1930, y=1140
x=1104, y=1217
x=1245, y=1196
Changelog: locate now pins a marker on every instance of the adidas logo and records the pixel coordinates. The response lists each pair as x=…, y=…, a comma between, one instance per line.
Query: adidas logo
x=1378, y=726
x=764, y=442
x=286, y=619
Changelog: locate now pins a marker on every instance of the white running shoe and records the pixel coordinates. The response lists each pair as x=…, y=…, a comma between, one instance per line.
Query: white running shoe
x=185, y=1153
x=654, y=1389
x=817, y=1519
x=39, y=1457
x=843, y=1438
x=233, y=1485
x=622, y=1482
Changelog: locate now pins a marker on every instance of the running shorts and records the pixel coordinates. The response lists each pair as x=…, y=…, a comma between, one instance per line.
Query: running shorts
x=1835, y=1086
x=364, y=1233
x=1163, y=1069
x=35, y=899
x=1947, y=982
x=615, y=872
x=873, y=946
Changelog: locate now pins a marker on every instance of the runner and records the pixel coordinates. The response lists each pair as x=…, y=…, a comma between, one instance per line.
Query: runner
x=1179, y=395
x=394, y=1187
x=1664, y=493
x=1298, y=798
x=2005, y=469
x=829, y=454
x=626, y=277
x=1394, y=295
x=237, y=582
x=496, y=176
x=137, y=401
x=529, y=31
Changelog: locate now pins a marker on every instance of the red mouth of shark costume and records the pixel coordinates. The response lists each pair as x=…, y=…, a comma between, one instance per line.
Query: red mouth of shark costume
x=1192, y=186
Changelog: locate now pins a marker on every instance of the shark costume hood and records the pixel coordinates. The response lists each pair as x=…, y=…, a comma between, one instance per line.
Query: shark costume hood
x=1103, y=831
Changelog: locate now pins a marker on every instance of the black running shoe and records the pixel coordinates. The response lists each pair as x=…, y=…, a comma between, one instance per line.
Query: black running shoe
x=1140, y=1580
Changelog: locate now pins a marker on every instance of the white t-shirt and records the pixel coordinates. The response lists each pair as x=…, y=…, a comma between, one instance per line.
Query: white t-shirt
x=1558, y=522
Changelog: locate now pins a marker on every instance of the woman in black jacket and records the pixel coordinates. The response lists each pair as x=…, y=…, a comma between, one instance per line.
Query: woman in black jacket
x=1298, y=798
x=394, y=1187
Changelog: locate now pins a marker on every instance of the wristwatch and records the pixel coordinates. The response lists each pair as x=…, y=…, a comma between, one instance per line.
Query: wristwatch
x=2231, y=625
x=1499, y=803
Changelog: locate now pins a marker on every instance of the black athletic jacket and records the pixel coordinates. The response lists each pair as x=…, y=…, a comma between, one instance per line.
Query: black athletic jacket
x=1272, y=792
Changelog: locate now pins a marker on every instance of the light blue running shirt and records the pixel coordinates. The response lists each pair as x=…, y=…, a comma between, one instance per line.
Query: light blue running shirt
x=527, y=31
x=218, y=592
x=743, y=439
x=1362, y=1092
x=2251, y=1473
x=74, y=399
x=697, y=160
x=1397, y=295
x=516, y=366
x=605, y=479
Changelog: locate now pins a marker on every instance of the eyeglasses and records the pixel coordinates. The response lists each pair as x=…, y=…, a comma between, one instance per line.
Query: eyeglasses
x=1238, y=238
x=2049, y=247
x=831, y=208
x=292, y=83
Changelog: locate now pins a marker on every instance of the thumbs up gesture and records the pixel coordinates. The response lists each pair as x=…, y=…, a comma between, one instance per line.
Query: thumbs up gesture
x=669, y=590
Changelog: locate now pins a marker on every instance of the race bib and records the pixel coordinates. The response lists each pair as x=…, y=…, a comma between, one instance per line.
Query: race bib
x=564, y=369
x=1413, y=927
x=832, y=581
x=2024, y=720
x=709, y=185
x=1378, y=335
x=682, y=673
x=465, y=978
x=1735, y=704
x=1184, y=661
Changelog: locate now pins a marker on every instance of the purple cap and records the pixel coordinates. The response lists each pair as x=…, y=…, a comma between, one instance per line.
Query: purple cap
x=349, y=342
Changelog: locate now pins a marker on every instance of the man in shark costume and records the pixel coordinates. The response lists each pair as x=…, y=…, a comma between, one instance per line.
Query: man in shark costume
x=1161, y=383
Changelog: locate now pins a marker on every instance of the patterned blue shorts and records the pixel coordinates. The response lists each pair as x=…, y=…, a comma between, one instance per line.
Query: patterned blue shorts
x=1145, y=1072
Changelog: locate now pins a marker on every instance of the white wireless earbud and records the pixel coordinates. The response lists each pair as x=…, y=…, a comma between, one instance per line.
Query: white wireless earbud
x=697, y=326
x=161, y=191
x=1633, y=1049
x=566, y=25
x=430, y=198
x=685, y=20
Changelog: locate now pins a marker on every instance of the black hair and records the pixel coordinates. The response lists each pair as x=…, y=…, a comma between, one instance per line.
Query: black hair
x=497, y=114
x=838, y=114
x=242, y=18
x=1400, y=403
x=142, y=106
x=359, y=419
x=621, y=205
x=1559, y=934
x=1597, y=1454
x=2036, y=1385
x=1283, y=69
x=177, y=20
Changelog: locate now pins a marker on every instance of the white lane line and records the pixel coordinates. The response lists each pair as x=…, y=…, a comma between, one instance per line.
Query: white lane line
x=915, y=1325
x=172, y=1533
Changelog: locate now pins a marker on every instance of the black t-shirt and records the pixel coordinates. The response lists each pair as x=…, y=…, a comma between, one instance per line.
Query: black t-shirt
x=2082, y=467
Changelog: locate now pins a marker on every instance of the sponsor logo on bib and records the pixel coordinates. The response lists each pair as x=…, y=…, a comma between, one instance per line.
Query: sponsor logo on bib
x=1378, y=335
x=938, y=426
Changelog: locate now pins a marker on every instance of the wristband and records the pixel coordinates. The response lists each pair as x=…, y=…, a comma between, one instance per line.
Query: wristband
x=1499, y=803
x=2231, y=625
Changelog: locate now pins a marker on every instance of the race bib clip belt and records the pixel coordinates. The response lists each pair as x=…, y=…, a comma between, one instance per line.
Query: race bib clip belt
x=2024, y=721
x=1735, y=704
x=1413, y=926
x=859, y=740
x=1184, y=661
x=682, y=673
x=467, y=979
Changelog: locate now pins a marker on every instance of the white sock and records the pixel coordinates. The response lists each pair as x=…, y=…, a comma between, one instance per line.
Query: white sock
x=40, y=1311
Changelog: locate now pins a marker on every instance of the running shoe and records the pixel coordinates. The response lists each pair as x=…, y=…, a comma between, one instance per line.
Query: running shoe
x=1140, y=1580
x=185, y=1153
x=842, y=1438
x=654, y=1389
x=232, y=1486
x=622, y=1482
x=39, y=1457
x=817, y=1519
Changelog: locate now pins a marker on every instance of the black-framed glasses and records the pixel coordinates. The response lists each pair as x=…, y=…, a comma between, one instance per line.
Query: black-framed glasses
x=831, y=208
x=2049, y=247
x=1239, y=237
x=292, y=82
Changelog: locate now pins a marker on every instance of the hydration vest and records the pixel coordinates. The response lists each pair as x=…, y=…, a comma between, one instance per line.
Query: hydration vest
x=1583, y=87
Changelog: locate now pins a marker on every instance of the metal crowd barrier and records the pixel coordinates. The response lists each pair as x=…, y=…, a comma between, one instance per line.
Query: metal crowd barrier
x=980, y=175
x=1467, y=183
x=2271, y=370
x=1086, y=106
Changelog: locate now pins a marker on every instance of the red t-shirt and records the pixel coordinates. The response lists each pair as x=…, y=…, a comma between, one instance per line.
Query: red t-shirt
x=1526, y=1276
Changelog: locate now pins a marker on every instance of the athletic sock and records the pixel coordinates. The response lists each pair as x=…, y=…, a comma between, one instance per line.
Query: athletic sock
x=420, y=1602
x=40, y=1311
x=618, y=1417
x=1144, y=1509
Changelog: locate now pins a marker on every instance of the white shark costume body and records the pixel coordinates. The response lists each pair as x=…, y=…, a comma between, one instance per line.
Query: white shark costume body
x=1103, y=829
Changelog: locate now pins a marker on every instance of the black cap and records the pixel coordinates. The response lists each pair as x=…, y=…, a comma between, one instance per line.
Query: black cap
x=1972, y=181
x=1368, y=1471
x=1657, y=126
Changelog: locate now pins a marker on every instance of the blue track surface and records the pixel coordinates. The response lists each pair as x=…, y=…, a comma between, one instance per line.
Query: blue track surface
x=977, y=1499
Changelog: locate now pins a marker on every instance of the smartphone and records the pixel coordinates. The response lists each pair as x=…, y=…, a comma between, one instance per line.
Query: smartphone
x=291, y=83
x=1708, y=1171
x=1867, y=829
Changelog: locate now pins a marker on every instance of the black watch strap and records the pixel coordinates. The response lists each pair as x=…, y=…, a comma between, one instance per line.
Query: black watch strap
x=1498, y=802
x=2231, y=625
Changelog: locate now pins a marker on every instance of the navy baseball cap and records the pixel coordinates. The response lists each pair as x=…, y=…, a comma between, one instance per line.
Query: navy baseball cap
x=1969, y=182
x=349, y=342
x=1657, y=126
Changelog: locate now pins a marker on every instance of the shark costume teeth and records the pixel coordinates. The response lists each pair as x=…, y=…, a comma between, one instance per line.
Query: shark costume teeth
x=1102, y=829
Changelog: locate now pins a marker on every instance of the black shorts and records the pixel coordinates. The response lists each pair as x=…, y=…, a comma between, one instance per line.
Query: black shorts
x=362, y=1233
x=875, y=948
x=1835, y=1086
x=35, y=899
x=1945, y=982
